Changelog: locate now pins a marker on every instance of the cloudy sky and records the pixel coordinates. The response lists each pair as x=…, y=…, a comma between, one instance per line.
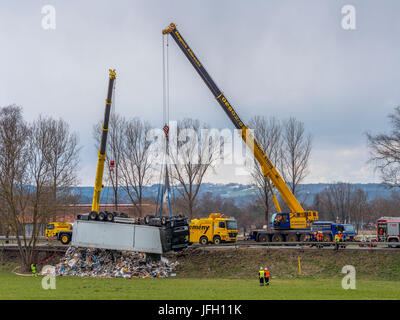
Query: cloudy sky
x=272, y=58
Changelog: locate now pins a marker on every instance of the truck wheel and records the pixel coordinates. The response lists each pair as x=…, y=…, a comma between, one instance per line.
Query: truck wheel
x=164, y=221
x=393, y=245
x=147, y=219
x=292, y=238
x=65, y=238
x=109, y=217
x=203, y=241
x=217, y=240
x=93, y=215
x=262, y=238
x=277, y=237
x=102, y=216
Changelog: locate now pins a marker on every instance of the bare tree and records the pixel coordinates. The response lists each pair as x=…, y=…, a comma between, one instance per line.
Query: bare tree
x=194, y=155
x=62, y=157
x=385, y=151
x=15, y=189
x=32, y=169
x=268, y=133
x=135, y=161
x=296, y=152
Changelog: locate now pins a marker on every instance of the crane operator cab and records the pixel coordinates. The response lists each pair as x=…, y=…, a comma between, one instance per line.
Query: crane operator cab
x=280, y=221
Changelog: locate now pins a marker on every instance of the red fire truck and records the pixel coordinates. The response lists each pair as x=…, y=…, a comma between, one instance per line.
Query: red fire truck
x=388, y=230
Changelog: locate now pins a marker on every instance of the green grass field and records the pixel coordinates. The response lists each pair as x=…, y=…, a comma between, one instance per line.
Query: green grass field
x=17, y=287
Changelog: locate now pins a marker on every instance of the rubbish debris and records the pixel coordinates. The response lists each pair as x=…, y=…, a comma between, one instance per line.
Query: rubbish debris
x=103, y=263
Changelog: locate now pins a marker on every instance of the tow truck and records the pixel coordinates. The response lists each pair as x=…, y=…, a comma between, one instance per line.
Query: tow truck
x=117, y=231
x=290, y=226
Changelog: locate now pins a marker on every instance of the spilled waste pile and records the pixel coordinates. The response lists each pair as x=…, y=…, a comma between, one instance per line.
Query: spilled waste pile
x=103, y=263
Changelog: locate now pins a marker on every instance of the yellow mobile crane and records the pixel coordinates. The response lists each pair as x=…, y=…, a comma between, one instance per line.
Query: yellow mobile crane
x=289, y=226
x=98, y=184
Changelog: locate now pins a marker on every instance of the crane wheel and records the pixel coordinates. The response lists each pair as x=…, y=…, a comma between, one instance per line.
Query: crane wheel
x=65, y=238
x=292, y=238
x=203, y=241
x=109, y=217
x=147, y=219
x=217, y=240
x=262, y=238
x=93, y=215
x=163, y=221
x=277, y=237
x=102, y=216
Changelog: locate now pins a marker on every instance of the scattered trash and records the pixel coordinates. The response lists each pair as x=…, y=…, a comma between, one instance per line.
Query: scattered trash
x=104, y=263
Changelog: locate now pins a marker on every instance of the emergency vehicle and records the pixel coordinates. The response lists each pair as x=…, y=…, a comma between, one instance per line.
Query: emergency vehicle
x=388, y=230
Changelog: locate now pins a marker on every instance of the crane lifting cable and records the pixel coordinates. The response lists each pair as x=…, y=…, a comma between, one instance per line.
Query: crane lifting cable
x=164, y=186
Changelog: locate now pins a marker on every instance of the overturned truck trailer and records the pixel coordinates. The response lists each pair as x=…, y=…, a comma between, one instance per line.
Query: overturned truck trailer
x=150, y=235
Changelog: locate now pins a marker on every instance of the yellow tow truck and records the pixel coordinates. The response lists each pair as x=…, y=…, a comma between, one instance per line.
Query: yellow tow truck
x=61, y=230
x=214, y=229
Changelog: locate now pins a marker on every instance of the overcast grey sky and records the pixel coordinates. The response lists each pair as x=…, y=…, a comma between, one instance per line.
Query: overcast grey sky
x=273, y=58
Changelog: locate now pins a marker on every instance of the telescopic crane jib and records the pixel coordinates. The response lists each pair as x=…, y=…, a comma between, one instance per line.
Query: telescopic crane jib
x=299, y=218
x=98, y=185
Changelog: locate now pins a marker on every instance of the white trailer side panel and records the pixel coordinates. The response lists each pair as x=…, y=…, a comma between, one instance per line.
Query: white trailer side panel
x=116, y=236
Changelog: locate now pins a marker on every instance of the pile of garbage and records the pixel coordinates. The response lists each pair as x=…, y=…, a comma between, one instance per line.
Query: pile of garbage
x=102, y=263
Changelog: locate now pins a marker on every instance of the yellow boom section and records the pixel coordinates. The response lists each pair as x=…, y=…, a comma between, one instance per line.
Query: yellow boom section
x=98, y=184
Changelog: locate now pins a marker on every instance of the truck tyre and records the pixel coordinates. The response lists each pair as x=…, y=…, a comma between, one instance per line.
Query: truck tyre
x=109, y=217
x=263, y=238
x=217, y=240
x=277, y=237
x=93, y=215
x=393, y=241
x=147, y=219
x=102, y=216
x=291, y=237
x=164, y=221
x=65, y=238
x=203, y=241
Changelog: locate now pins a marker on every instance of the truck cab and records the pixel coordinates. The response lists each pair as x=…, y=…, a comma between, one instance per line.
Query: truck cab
x=214, y=229
x=388, y=230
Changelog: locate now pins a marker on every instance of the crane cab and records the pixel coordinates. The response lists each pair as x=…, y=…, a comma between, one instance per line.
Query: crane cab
x=297, y=220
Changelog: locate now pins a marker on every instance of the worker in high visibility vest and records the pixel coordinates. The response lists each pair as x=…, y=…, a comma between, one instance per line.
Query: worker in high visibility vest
x=266, y=276
x=261, y=275
x=33, y=269
x=337, y=240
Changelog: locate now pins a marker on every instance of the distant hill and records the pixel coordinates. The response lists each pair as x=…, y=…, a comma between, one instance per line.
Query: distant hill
x=240, y=193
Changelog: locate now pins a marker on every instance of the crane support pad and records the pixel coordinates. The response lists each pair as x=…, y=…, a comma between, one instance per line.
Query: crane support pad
x=119, y=236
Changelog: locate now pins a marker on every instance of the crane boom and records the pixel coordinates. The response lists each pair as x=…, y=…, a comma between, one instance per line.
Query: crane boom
x=268, y=169
x=98, y=185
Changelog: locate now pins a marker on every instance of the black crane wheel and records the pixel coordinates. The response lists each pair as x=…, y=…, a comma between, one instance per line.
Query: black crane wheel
x=109, y=217
x=93, y=215
x=102, y=216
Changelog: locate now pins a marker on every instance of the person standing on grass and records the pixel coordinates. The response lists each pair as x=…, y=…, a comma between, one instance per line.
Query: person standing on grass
x=261, y=275
x=266, y=276
x=33, y=269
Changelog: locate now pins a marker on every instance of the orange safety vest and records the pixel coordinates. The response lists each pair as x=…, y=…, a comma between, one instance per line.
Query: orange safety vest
x=267, y=274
